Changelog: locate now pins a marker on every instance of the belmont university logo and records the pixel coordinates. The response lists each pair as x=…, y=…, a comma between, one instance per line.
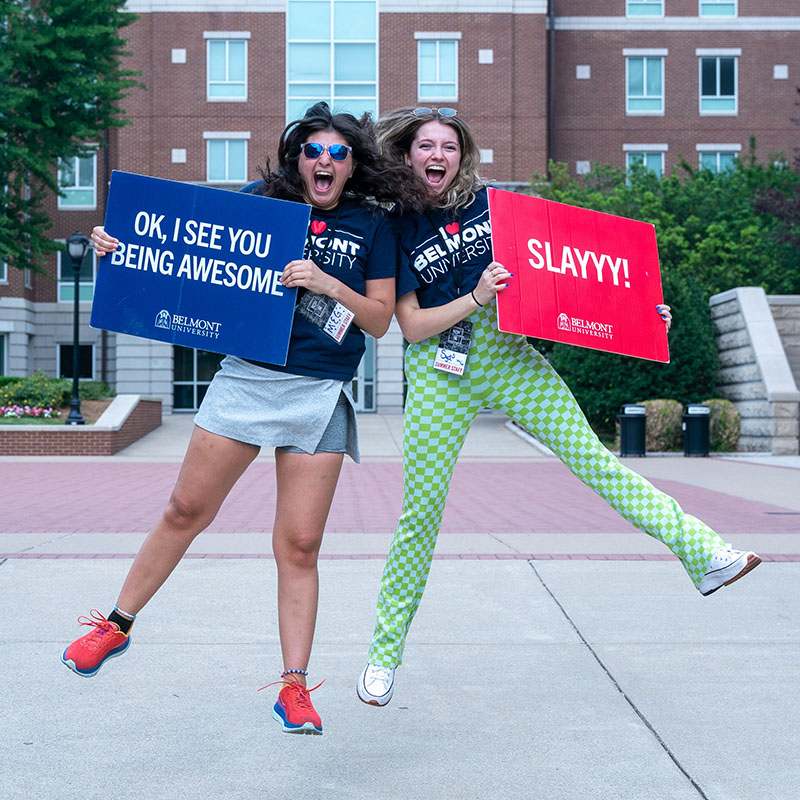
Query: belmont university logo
x=186, y=324
x=601, y=330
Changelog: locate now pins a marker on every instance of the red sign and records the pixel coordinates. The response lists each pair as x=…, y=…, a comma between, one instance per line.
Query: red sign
x=580, y=277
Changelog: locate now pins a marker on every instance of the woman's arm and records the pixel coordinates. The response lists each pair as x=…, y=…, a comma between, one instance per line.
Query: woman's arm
x=373, y=311
x=422, y=323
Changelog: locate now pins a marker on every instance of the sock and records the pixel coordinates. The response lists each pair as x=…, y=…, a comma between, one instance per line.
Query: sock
x=123, y=622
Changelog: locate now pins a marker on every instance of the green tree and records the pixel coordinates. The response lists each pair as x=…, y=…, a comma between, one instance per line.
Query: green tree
x=61, y=85
x=713, y=234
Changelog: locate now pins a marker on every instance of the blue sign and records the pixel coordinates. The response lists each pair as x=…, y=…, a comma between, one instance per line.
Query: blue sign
x=199, y=267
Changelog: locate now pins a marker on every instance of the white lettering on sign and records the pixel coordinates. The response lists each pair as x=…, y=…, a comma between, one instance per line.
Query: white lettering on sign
x=576, y=261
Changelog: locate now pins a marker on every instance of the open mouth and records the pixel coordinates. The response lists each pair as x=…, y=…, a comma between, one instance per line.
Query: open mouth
x=323, y=181
x=435, y=174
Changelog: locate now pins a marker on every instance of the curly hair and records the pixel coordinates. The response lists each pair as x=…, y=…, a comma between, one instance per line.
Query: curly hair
x=375, y=180
x=396, y=131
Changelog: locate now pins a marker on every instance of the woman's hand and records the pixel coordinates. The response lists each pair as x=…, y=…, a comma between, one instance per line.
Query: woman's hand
x=665, y=315
x=103, y=243
x=493, y=280
x=306, y=274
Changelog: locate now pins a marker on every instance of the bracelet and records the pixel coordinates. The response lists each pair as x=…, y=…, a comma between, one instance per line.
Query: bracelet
x=472, y=292
x=125, y=614
x=294, y=672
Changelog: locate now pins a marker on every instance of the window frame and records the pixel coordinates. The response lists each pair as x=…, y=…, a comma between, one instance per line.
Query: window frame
x=228, y=37
x=701, y=3
x=227, y=137
x=645, y=150
x=629, y=3
x=59, y=371
x=3, y=276
x=336, y=99
x=3, y=353
x=63, y=282
x=710, y=54
x=655, y=55
x=718, y=150
x=65, y=206
x=437, y=39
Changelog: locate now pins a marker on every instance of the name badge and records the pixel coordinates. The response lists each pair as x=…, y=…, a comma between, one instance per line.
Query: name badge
x=451, y=354
x=327, y=314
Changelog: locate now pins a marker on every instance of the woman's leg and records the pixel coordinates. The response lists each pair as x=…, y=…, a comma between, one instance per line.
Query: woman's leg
x=306, y=484
x=439, y=410
x=530, y=391
x=211, y=467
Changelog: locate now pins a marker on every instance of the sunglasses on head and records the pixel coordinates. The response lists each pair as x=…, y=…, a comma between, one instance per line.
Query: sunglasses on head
x=442, y=112
x=338, y=152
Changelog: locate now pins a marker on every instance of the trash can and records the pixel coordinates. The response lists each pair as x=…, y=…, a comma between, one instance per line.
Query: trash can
x=696, y=427
x=632, y=426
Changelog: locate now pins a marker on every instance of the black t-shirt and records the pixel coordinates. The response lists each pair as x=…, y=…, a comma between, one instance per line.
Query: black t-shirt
x=363, y=248
x=433, y=244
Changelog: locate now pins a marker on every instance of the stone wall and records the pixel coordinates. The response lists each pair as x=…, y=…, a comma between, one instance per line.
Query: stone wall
x=755, y=373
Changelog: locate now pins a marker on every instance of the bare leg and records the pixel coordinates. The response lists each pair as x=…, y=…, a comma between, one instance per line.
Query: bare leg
x=211, y=467
x=306, y=484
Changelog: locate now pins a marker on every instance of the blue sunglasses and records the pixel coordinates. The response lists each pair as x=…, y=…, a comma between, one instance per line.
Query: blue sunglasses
x=338, y=152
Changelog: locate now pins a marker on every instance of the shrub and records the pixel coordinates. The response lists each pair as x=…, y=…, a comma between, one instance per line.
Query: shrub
x=94, y=390
x=664, y=424
x=39, y=390
x=725, y=425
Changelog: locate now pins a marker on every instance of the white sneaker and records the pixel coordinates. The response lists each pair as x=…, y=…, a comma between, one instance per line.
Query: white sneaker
x=376, y=685
x=727, y=565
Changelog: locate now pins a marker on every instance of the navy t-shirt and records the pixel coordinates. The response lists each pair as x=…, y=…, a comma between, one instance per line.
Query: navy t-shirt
x=433, y=244
x=363, y=247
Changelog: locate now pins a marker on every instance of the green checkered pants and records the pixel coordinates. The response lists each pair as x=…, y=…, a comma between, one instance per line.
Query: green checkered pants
x=504, y=372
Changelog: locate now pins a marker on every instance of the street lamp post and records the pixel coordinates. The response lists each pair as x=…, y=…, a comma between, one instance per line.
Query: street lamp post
x=77, y=244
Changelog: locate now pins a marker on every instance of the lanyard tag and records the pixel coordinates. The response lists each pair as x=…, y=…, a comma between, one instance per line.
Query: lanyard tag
x=451, y=354
x=327, y=314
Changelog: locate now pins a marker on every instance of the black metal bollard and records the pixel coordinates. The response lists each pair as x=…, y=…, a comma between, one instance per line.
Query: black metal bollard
x=696, y=429
x=632, y=429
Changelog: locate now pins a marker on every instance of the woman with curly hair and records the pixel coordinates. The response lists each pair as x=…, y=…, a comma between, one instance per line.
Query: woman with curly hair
x=303, y=409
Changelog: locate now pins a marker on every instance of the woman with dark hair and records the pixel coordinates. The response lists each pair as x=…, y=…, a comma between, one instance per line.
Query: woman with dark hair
x=303, y=409
x=447, y=283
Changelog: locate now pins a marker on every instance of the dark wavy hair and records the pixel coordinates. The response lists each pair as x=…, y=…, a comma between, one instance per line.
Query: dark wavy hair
x=375, y=180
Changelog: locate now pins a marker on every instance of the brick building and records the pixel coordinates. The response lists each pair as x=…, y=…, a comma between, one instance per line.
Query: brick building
x=576, y=80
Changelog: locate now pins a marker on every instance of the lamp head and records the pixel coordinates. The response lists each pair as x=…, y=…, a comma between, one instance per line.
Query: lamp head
x=77, y=244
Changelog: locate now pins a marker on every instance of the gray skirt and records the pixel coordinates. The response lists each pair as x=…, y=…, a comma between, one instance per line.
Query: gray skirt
x=267, y=408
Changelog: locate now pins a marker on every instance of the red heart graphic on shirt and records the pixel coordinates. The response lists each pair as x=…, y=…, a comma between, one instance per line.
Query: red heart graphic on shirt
x=452, y=228
x=317, y=226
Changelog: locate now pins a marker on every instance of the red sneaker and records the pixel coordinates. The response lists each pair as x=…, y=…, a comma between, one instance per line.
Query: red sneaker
x=86, y=655
x=294, y=709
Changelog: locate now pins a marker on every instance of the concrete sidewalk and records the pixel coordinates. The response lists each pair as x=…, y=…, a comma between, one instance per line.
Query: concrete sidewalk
x=557, y=654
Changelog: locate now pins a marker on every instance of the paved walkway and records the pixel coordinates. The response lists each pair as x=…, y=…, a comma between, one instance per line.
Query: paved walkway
x=558, y=653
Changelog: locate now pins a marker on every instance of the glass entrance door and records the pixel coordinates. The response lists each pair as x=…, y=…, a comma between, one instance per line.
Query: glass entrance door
x=193, y=371
x=364, y=381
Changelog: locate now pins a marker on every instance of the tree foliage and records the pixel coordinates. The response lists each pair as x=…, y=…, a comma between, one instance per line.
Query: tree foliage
x=61, y=87
x=714, y=232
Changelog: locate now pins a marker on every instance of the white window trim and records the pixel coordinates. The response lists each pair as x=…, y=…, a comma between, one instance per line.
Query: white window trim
x=662, y=52
x=62, y=281
x=439, y=98
x=226, y=34
x=703, y=148
x=644, y=16
x=723, y=16
x=59, y=345
x=62, y=206
x=712, y=52
x=635, y=148
x=232, y=136
x=730, y=53
x=437, y=35
x=234, y=37
x=641, y=54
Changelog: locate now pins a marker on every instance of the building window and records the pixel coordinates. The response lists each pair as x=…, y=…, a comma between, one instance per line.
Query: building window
x=85, y=361
x=363, y=386
x=2, y=354
x=226, y=69
x=3, y=272
x=27, y=277
x=226, y=157
x=66, y=278
x=77, y=179
x=332, y=55
x=718, y=157
x=192, y=374
x=437, y=69
x=645, y=8
x=718, y=8
x=651, y=160
x=718, y=79
x=645, y=81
